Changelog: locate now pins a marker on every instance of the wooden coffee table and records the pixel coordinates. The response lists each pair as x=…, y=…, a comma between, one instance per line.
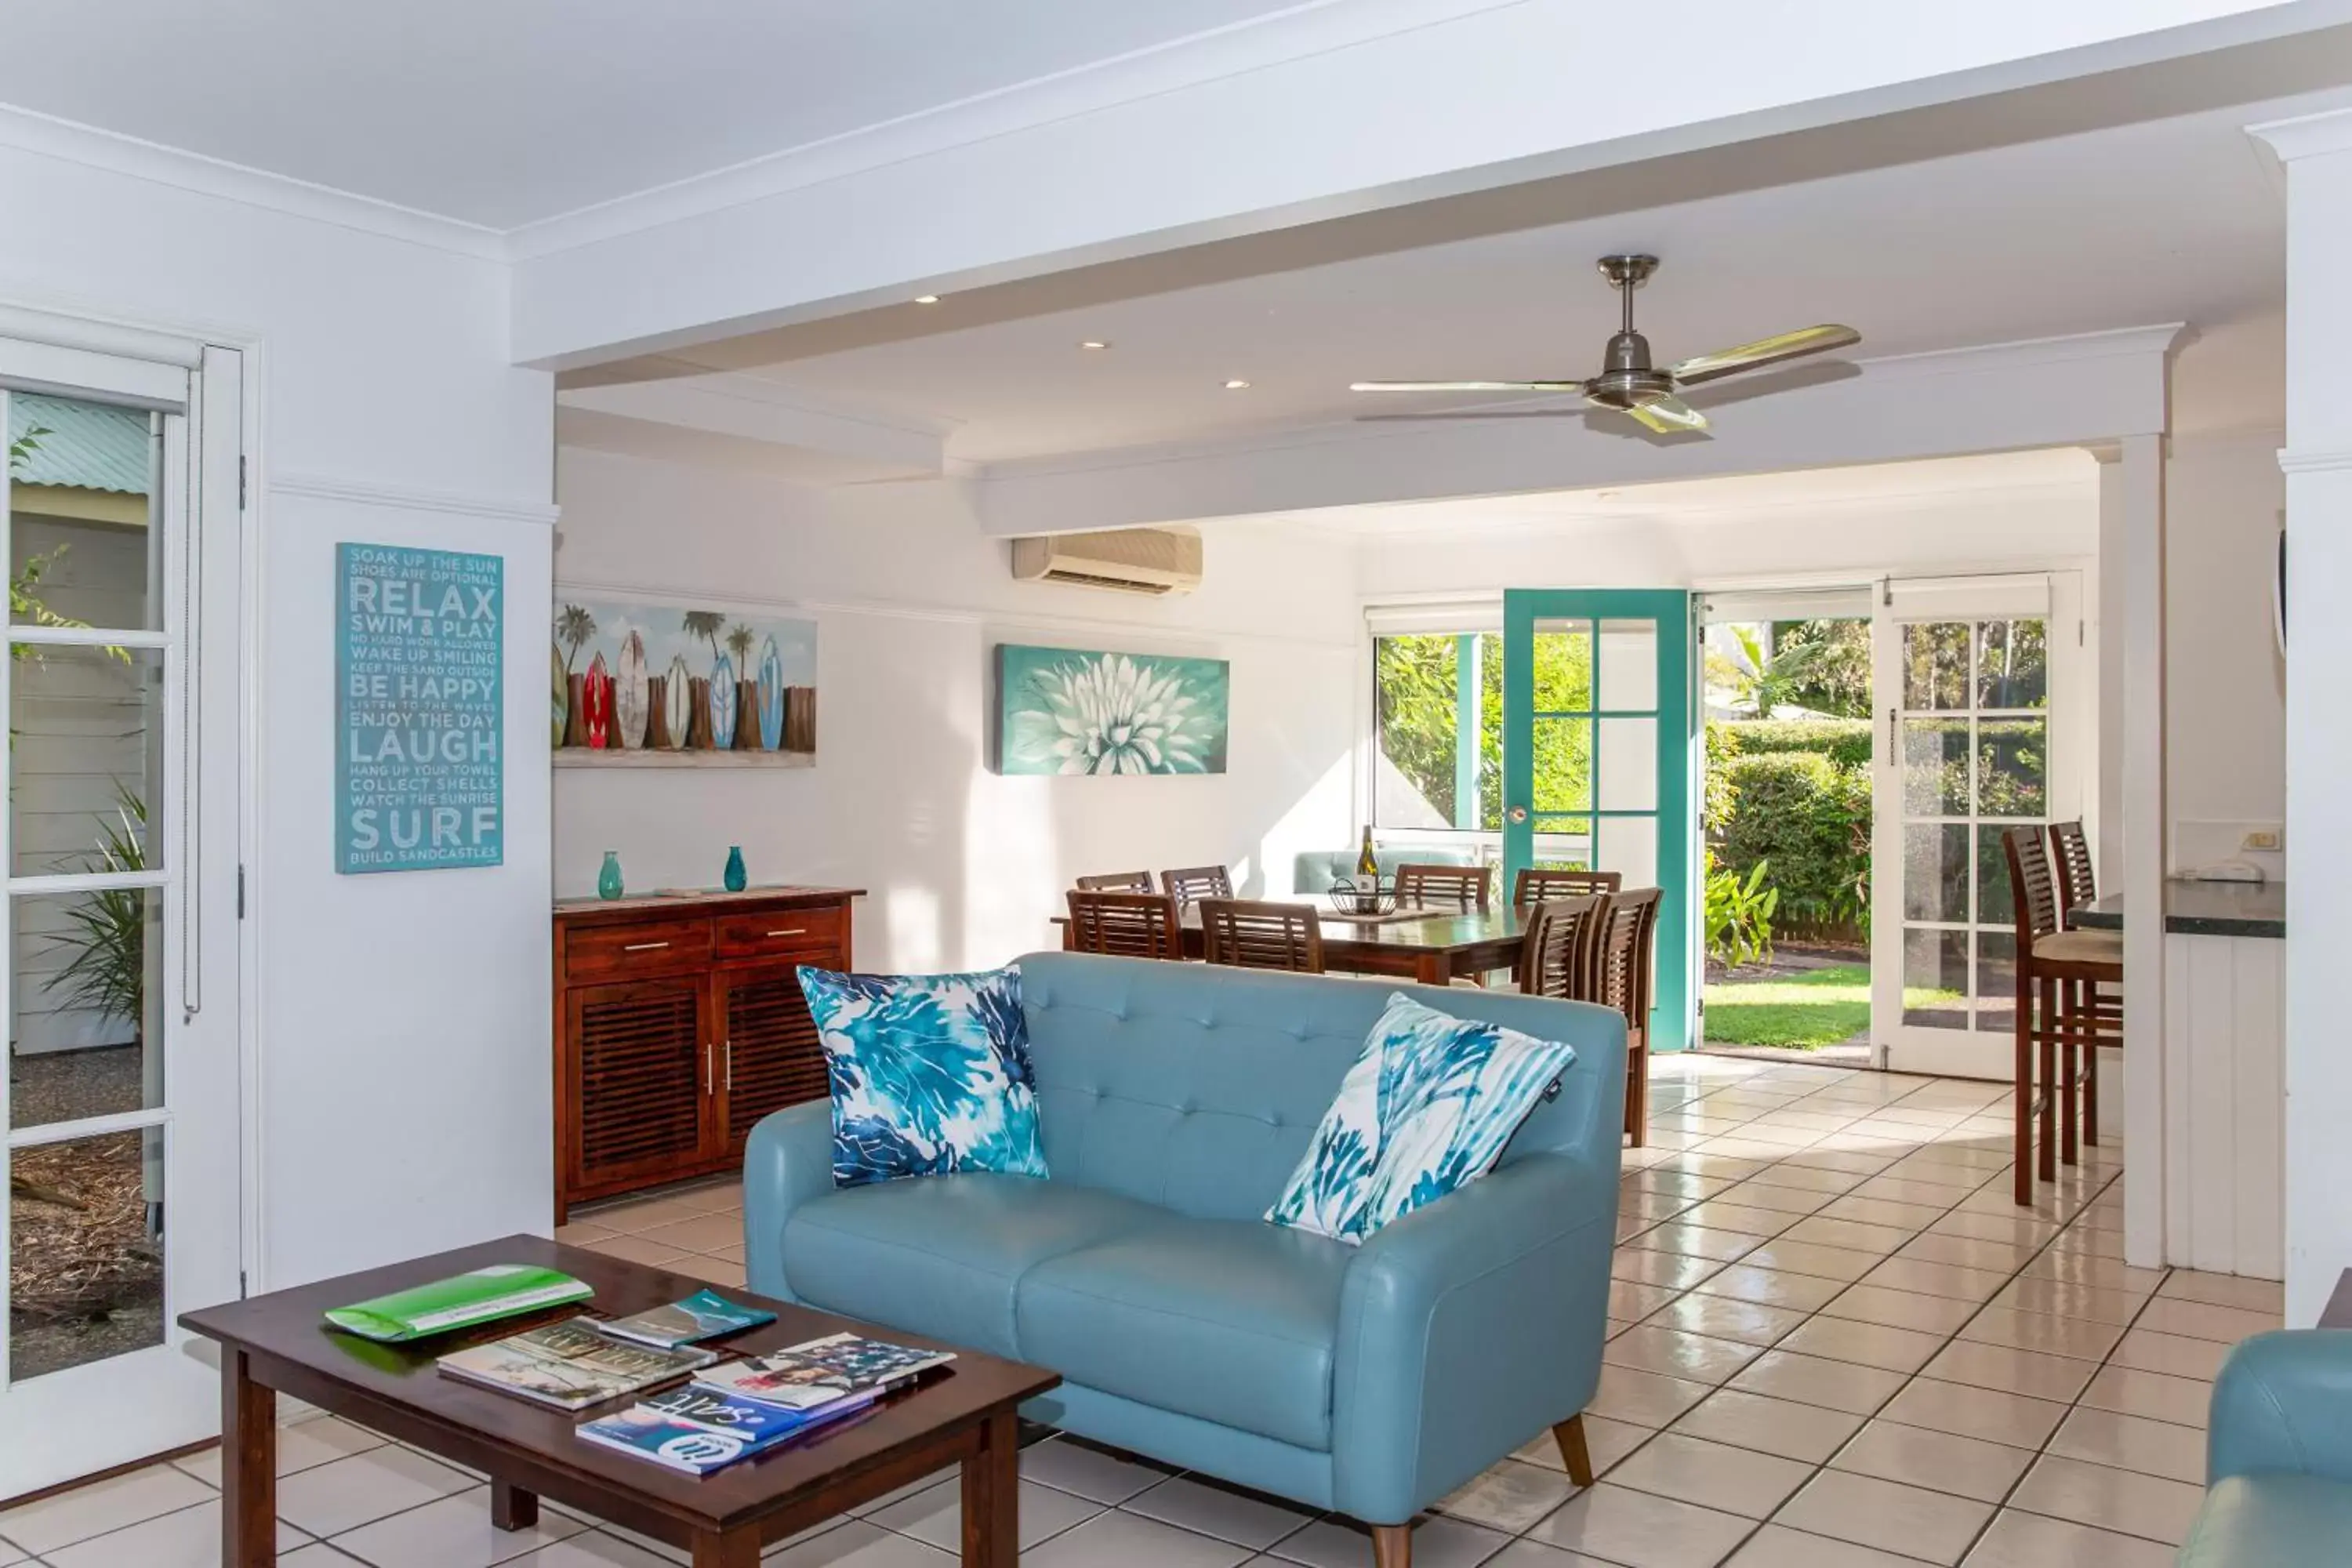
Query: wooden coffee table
x=280, y=1342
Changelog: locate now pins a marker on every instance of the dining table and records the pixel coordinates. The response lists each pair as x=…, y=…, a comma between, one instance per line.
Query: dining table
x=1431, y=946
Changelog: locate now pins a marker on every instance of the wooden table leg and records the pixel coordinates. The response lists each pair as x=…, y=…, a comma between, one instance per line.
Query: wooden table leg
x=511, y=1507
x=992, y=1497
x=1434, y=967
x=735, y=1548
x=248, y=1466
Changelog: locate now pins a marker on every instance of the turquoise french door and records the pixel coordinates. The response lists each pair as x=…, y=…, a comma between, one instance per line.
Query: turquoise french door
x=1599, y=757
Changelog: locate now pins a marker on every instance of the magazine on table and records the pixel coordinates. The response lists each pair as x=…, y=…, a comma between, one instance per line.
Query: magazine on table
x=647, y=1431
x=812, y=1375
x=570, y=1364
x=705, y=1315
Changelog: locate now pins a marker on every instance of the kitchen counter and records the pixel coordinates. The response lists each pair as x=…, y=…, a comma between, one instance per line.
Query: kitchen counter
x=2202, y=909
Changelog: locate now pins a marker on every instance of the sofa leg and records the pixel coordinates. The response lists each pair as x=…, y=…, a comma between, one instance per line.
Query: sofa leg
x=1392, y=1546
x=1569, y=1436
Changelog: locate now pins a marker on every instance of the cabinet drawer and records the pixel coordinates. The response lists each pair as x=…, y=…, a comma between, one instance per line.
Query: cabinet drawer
x=781, y=933
x=603, y=953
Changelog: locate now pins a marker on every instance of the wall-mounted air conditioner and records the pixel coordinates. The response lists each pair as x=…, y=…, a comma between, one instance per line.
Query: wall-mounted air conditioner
x=1130, y=560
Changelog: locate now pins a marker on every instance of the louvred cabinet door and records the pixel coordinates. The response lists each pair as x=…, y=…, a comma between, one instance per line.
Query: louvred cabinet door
x=769, y=1052
x=645, y=1102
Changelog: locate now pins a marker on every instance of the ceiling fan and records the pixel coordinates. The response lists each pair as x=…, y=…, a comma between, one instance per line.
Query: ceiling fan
x=1627, y=380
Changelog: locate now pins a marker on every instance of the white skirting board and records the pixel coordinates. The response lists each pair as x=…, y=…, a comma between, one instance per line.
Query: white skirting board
x=2224, y=1104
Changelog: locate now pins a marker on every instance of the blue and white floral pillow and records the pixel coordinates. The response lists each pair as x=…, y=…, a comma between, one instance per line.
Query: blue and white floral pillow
x=929, y=1074
x=1427, y=1108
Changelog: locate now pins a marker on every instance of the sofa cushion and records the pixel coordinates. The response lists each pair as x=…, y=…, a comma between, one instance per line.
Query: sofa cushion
x=942, y=1256
x=1233, y=1322
x=2271, y=1519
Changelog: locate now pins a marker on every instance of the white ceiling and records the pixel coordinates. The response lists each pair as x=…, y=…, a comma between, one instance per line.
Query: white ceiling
x=2179, y=219
x=503, y=112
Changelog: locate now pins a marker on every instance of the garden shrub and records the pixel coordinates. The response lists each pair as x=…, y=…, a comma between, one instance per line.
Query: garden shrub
x=1844, y=741
x=1809, y=818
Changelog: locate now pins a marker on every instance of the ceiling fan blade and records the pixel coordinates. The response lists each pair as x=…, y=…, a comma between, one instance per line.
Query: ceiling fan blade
x=1669, y=416
x=1451, y=414
x=1465, y=386
x=1766, y=350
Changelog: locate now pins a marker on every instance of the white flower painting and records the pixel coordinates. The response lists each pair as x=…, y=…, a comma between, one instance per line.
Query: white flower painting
x=1065, y=711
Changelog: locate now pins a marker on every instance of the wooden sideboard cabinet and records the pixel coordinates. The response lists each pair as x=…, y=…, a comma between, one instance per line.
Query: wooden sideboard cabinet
x=678, y=1025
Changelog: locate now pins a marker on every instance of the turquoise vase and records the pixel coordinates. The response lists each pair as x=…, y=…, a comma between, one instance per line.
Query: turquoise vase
x=734, y=868
x=608, y=881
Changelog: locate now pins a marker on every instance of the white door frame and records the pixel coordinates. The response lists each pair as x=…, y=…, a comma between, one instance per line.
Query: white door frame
x=206, y=1021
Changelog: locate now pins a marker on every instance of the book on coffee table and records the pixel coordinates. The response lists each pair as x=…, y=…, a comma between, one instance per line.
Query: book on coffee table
x=480, y=1296
x=570, y=1365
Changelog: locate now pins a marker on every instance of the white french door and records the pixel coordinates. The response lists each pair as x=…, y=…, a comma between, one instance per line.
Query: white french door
x=119, y=844
x=1982, y=727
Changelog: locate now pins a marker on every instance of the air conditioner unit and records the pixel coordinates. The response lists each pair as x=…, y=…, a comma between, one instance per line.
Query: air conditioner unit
x=1131, y=559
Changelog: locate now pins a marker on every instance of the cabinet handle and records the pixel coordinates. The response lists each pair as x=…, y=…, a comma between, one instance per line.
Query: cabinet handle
x=709, y=1080
x=791, y=931
x=643, y=946
x=730, y=1066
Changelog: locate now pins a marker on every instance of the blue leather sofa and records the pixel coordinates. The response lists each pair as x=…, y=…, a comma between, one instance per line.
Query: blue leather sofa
x=2278, y=1456
x=1174, y=1101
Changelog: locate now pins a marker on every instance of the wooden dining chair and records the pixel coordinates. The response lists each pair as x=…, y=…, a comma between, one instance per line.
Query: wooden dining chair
x=1556, y=953
x=1618, y=976
x=1119, y=882
x=1191, y=884
x=1125, y=925
x=1542, y=884
x=2070, y=867
x=1435, y=887
x=1249, y=934
x=2061, y=1021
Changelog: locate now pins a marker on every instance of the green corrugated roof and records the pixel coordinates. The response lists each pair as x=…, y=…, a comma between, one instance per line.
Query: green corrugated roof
x=86, y=446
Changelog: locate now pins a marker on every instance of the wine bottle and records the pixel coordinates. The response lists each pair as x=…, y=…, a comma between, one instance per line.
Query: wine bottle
x=1367, y=863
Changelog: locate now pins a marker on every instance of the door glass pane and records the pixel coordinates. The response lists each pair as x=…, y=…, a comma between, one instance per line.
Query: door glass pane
x=85, y=1251
x=1996, y=980
x=1563, y=829
x=79, y=478
x=1629, y=846
x=1563, y=661
x=2013, y=665
x=1629, y=667
x=1936, y=979
x=86, y=730
x=1563, y=764
x=1935, y=872
x=1936, y=767
x=1936, y=665
x=1628, y=765
x=2012, y=767
x=1425, y=759
x=87, y=993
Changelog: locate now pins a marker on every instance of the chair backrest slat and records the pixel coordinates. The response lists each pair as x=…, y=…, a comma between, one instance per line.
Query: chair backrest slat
x=1257, y=934
x=1125, y=925
x=2032, y=888
x=1543, y=884
x=1619, y=974
x=2070, y=855
x=1438, y=887
x=1191, y=884
x=1558, y=949
x=1118, y=882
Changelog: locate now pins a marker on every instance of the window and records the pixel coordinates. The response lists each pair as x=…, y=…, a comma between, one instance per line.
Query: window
x=1438, y=701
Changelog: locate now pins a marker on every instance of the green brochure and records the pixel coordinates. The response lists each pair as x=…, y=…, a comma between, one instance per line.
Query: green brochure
x=501, y=1290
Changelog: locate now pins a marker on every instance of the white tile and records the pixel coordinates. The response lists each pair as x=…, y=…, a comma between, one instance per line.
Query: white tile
x=351, y=1492
x=317, y=1554
x=454, y=1533
x=1229, y=1514
x=321, y=1440
x=595, y=1549
x=1122, y=1540
x=41, y=1527
x=858, y=1544
x=1437, y=1543
x=1088, y=1472
x=1617, y=1524
x=188, y=1538
x=937, y=1516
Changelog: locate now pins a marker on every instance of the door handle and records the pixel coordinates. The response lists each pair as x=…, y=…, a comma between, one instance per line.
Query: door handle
x=710, y=1080
x=791, y=931
x=730, y=1066
x=1518, y=814
x=643, y=946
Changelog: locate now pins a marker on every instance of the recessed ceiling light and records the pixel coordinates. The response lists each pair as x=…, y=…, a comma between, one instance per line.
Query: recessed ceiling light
x=1237, y=384
x=1094, y=344
x=927, y=299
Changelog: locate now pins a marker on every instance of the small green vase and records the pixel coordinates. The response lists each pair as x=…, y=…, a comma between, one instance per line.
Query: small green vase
x=608, y=881
x=735, y=868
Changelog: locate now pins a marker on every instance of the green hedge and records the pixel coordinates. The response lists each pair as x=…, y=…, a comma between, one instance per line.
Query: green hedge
x=1809, y=818
x=1844, y=741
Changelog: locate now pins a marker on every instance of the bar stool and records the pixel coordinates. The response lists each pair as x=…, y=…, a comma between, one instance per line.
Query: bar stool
x=2060, y=1024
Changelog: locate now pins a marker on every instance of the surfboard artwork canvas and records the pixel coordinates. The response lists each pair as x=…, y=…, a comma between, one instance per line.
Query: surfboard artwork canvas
x=649, y=685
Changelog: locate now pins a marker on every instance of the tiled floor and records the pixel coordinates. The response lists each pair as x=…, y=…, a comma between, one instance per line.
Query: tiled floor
x=1836, y=1343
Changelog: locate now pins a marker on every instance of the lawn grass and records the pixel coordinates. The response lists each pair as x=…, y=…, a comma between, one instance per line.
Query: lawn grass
x=1801, y=1012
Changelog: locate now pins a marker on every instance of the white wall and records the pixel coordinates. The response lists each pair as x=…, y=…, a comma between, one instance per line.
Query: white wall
x=2225, y=697
x=964, y=867
x=402, y=1021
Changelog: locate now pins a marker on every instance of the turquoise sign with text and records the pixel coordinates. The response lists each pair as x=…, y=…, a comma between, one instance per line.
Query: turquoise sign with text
x=420, y=733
